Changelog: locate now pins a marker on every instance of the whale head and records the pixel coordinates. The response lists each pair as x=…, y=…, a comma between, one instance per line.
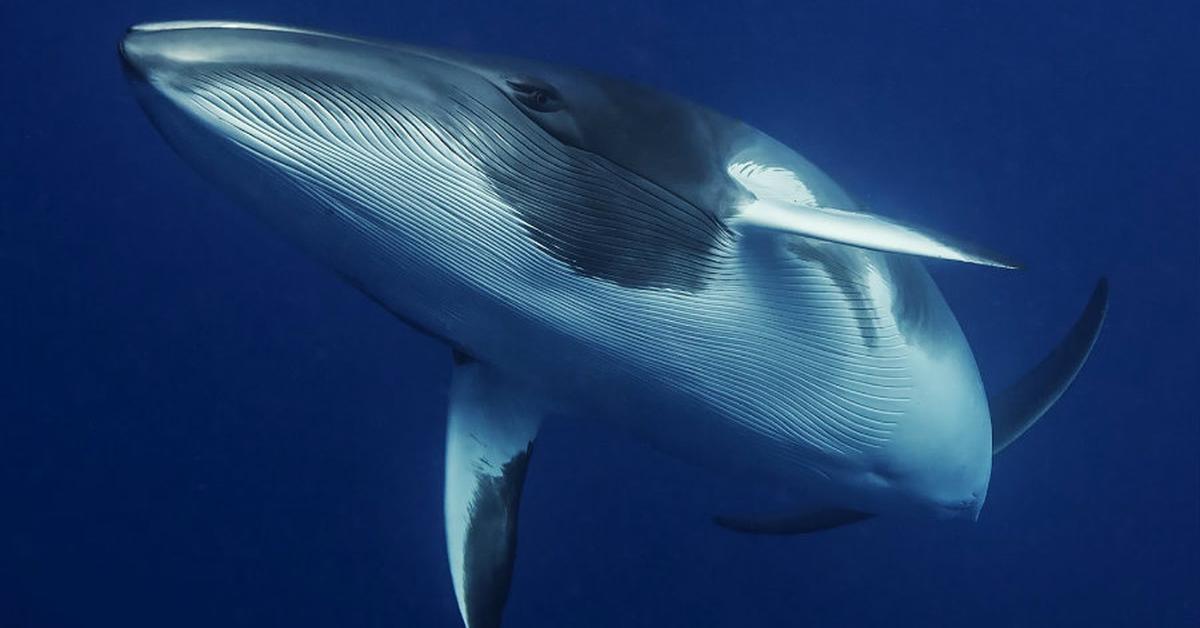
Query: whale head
x=321, y=132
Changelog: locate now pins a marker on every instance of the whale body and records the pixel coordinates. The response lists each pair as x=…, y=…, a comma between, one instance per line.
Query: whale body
x=593, y=249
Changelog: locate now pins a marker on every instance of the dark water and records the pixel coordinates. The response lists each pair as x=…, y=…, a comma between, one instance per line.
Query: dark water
x=201, y=427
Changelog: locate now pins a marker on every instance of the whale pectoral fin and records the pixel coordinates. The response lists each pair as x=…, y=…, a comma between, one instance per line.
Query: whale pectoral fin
x=862, y=230
x=783, y=201
x=795, y=523
x=1018, y=407
x=490, y=434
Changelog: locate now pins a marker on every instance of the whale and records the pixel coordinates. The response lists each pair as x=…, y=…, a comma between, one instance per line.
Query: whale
x=592, y=249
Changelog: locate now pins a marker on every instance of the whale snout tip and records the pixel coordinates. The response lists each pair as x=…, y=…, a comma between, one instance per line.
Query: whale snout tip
x=148, y=47
x=142, y=44
x=127, y=52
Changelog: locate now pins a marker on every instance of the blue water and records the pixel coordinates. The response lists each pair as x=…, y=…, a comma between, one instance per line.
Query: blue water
x=201, y=427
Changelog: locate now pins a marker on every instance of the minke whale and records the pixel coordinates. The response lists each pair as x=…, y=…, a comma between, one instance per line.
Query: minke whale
x=592, y=249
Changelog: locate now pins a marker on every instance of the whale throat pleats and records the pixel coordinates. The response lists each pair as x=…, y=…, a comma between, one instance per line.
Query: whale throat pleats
x=489, y=437
x=599, y=218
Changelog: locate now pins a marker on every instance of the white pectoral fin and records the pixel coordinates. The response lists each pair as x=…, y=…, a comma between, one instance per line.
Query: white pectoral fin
x=863, y=230
x=782, y=202
x=490, y=433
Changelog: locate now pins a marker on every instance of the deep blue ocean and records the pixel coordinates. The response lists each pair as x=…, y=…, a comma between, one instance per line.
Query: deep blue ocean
x=200, y=426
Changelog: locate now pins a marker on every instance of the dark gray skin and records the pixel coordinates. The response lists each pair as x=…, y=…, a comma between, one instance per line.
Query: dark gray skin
x=681, y=146
x=675, y=150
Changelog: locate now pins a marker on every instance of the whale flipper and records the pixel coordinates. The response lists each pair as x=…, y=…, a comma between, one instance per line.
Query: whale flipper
x=1018, y=407
x=794, y=523
x=490, y=433
x=783, y=202
x=867, y=231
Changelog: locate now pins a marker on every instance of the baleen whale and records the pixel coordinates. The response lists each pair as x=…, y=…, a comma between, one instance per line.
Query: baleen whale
x=592, y=249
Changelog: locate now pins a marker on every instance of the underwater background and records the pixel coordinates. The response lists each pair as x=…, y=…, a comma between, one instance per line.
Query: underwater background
x=199, y=426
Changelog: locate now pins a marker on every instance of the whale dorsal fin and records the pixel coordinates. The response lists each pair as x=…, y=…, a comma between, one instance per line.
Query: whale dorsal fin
x=782, y=202
x=490, y=434
x=1015, y=409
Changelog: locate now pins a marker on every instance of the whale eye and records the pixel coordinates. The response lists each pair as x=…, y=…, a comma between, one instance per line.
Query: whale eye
x=535, y=94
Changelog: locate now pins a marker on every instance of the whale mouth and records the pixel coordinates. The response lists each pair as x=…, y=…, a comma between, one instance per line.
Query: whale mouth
x=135, y=58
x=182, y=25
